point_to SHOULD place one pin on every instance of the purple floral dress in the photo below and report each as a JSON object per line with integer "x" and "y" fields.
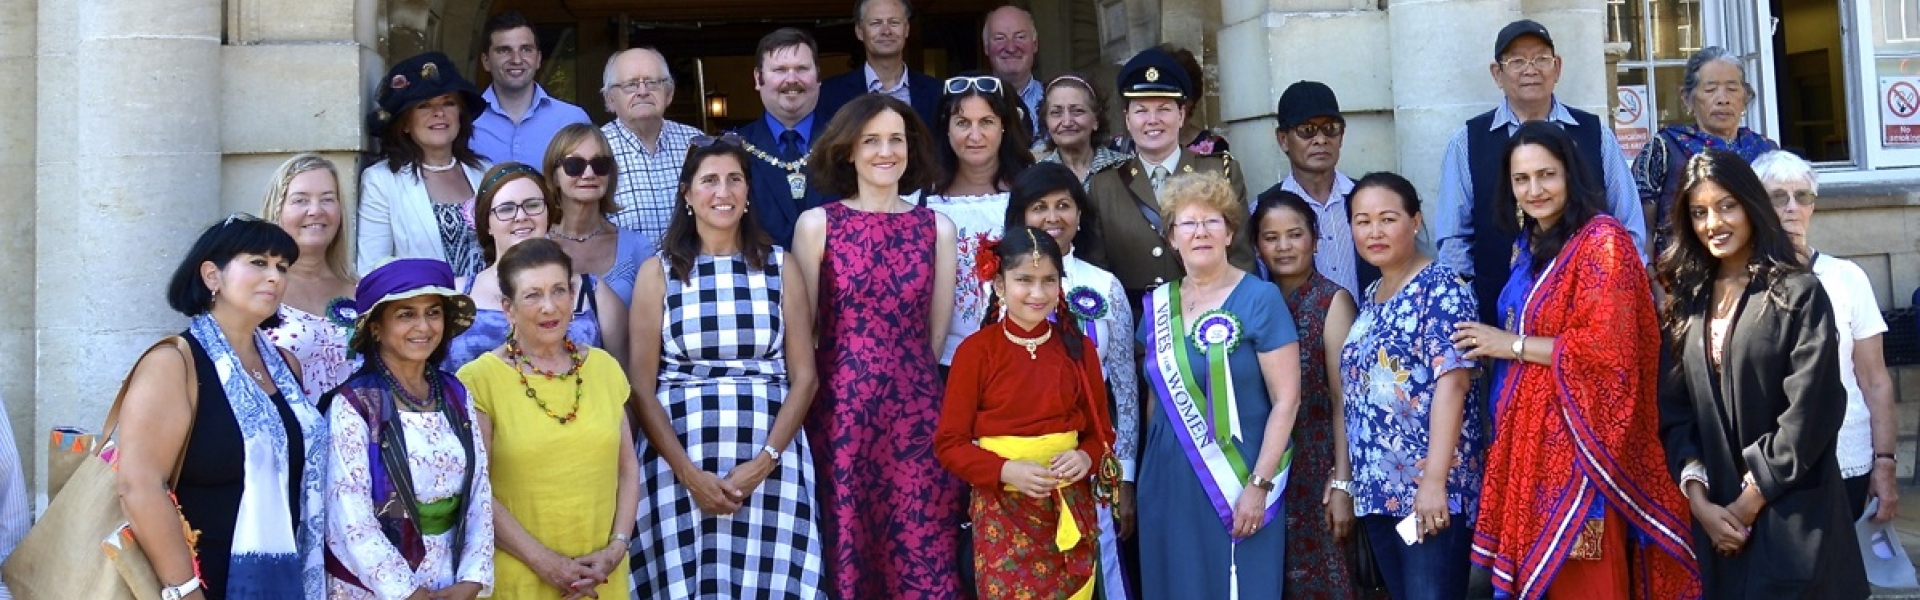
{"x": 891, "y": 515}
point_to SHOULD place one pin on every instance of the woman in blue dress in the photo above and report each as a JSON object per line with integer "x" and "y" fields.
{"x": 1224, "y": 370}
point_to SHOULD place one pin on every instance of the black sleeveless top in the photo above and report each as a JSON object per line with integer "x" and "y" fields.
{"x": 214, "y": 473}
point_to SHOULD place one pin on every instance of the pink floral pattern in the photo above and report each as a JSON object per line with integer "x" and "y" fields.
{"x": 321, "y": 347}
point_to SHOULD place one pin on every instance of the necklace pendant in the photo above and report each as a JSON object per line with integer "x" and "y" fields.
{"x": 797, "y": 184}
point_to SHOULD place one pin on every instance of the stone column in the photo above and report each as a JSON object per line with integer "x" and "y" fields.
{"x": 130, "y": 174}
{"x": 1441, "y": 49}
{"x": 1263, "y": 50}
{"x": 17, "y": 134}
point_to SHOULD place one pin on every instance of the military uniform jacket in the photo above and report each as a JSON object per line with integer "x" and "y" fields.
{"x": 1131, "y": 245}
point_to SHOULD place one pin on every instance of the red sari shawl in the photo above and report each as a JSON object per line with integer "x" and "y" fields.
{"x": 1584, "y": 429}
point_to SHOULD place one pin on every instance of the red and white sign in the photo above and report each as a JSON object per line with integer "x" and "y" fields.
{"x": 1633, "y": 120}
{"x": 1900, "y": 111}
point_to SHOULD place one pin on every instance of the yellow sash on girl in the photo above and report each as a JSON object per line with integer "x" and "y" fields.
{"x": 1041, "y": 450}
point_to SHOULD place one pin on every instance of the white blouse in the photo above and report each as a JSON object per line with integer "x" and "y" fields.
{"x": 353, "y": 533}
{"x": 1115, "y": 333}
{"x": 976, "y": 221}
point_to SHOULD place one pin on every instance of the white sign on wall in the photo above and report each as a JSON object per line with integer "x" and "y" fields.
{"x": 1633, "y": 120}
{"x": 1900, "y": 111}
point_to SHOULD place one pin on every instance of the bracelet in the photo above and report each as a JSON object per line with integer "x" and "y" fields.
{"x": 618, "y": 538}
{"x": 1886, "y": 455}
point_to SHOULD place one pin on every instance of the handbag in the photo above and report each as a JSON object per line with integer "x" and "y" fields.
{"x": 83, "y": 546}
{"x": 1880, "y": 548}
{"x": 1366, "y": 570}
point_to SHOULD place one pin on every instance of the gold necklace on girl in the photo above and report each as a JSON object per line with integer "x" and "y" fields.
{"x": 1031, "y": 344}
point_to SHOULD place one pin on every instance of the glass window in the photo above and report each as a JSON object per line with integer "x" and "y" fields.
{"x": 1652, "y": 70}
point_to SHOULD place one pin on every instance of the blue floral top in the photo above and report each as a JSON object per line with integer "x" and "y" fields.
{"x": 1395, "y": 354}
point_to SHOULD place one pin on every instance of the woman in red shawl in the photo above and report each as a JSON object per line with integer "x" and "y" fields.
{"x": 1576, "y": 494}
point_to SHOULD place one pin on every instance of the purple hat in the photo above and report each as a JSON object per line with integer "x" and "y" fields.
{"x": 403, "y": 278}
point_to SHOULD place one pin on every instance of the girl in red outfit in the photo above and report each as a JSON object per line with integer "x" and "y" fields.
{"x": 1025, "y": 423}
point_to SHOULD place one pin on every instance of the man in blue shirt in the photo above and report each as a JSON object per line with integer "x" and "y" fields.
{"x": 520, "y": 118}
{"x": 787, "y": 77}
{"x": 1526, "y": 69}
{"x": 1011, "y": 43}
{"x": 882, "y": 26}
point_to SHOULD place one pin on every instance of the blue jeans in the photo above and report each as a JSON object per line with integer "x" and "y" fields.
{"x": 1434, "y": 569}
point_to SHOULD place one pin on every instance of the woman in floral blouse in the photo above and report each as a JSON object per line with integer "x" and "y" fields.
{"x": 1410, "y": 395}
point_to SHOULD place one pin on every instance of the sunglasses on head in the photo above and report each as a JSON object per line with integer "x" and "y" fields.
{"x": 987, "y": 84}
{"x": 575, "y": 166}
{"x": 728, "y": 138}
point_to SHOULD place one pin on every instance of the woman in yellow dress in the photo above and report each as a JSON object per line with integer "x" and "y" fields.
{"x": 566, "y": 481}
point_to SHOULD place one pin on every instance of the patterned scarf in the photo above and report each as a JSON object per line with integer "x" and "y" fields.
{"x": 274, "y": 556}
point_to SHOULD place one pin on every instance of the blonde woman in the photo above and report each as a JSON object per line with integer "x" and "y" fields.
{"x": 317, "y": 312}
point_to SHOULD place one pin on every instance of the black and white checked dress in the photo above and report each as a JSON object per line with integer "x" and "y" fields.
{"x": 723, "y": 377}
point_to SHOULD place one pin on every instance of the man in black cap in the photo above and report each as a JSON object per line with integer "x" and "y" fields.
{"x": 1158, "y": 94}
{"x": 1526, "y": 69}
{"x": 1310, "y": 132}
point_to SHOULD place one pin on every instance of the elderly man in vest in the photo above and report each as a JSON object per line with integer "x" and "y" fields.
{"x": 1526, "y": 69}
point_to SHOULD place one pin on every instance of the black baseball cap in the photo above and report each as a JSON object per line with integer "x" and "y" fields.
{"x": 1304, "y": 101}
{"x": 1514, "y": 30}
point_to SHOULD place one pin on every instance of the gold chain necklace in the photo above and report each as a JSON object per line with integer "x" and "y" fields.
{"x": 777, "y": 163}
{"x": 1031, "y": 344}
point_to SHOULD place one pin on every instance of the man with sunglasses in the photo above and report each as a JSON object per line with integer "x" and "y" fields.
{"x": 882, "y": 27}
{"x": 1462, "y": 224}
{"x": 1158, "y": 95}
{"x": 520, "y": 118}
{"x": 1310, "y": 132}
{"x": 648, "y": 147}
{"x": 788, "y": 79}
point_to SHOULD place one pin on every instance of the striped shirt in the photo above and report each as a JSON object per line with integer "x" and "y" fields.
{"x": 15, "y": 514}
{"x": 1334, "y": 255}
{"x": 648, "y": 180}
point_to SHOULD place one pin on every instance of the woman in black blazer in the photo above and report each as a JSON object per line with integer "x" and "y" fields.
{"x": 1747, "y": 409}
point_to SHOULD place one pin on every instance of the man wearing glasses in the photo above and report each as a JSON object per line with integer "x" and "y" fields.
{"x": 1310, "y": 132}
{"x": 1133, "y": 247}
{"x": 1462, "y": 226}
{"x": 788, "y": 79}
{"x": 648, "y": 147}
{"x": 882, "y": 27}
{"x": 520, "y": 118}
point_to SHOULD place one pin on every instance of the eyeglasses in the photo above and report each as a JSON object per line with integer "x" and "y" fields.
{"x": 1214, "y": 225}
{"x": 987, "y": 84}
{"x": 504, "y": 211}
{"x": 1308, "y": 131}
{"x": 633, "y": 86}
{"x": 575, "y": 166}
{"x": 1539, "y": 63}
{"x": 728, "y": 138}
{"x": 1781, "y": 198}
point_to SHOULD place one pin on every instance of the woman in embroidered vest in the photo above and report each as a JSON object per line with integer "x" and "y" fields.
{"x": 1319, "y": 503}
{"x": 1224, "y": 369}
{"x": 1751, "y": 401}
{"x": 553, "y": 418}
{"x": 1410, "y": 398}
{"x": 581, "y": 175}
{"x": 1715, "y": 91}
{"x": 881, "y": 272}
{"x": 255, "y": 467}
{"x": 1073, "y": 128}
{"x": 418, "y": 200}
{"x": 982, "y": 146}
{"x": 1025, "y": 422}
{"x": 409, "y": 509}
{"x": 317, "y": 314}
{"x": 1870, "y": 435}
{"x": 1050, "y": 198}
{"x": 514, "y": 208}
{"x": 728, "y": 509}
{"x": 1575, "y": 496}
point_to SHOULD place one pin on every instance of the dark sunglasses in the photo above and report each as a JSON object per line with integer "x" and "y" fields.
{"x": 574, "y": 166}
{"x": 987, "y": 84}
{"x": 1308, "y": 131}
{"x": 728, "y": 138}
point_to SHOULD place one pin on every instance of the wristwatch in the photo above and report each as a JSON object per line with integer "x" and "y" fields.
{"x": 1343, "y": 485}
{"x": 771, "y": 453}
{"x": 1256, "y": 480}
{"x": 1519, "y": 346}
{"x": 180, "y": 591}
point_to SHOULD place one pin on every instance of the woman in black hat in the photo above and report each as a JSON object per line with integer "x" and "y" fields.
{"x": 409, "y": 507}
{"x": 414, "y": 202}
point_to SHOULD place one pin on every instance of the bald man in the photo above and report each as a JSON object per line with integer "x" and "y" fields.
{"x": 1011, "y": 43}
{"x": 648, "y": 148}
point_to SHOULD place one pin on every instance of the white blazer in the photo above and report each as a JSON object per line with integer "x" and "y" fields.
{"x": 396, "y": 216}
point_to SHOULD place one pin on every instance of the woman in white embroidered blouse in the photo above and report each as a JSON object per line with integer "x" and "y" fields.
{"x": 982, "y": 147}
{"x": 317, "y": 312}
{"x": 409, "y": 504}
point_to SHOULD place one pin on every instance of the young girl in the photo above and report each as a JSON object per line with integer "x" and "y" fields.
{"x": 1025, "y": 422}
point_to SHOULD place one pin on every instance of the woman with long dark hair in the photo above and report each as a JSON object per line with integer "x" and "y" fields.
{"x": 982, "y": 146}
{"x": 722, "y": 392}
{"x": 1748, "y": 410}
{"x": 415, "y": 202}
{"x": 1574, "y": 467}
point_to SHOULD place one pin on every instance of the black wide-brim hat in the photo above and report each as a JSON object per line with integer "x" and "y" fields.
{"x": 417, "y": 80}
